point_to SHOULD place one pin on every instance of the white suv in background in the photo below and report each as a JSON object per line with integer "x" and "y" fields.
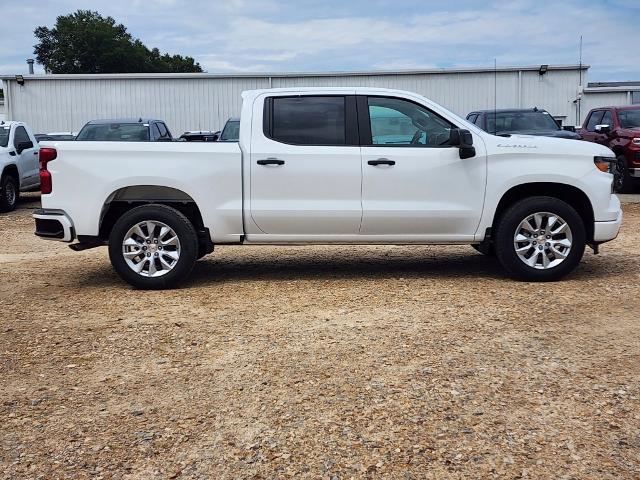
{"x": 18, "y": 163}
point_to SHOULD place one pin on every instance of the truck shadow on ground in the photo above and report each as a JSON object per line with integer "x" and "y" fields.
{"x": 337, "y": 265}
{"x": 308, "y": 267}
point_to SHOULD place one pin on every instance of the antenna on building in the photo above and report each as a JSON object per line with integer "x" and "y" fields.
{"x": 579, "y": 98}
{"x": 495, "y": 95}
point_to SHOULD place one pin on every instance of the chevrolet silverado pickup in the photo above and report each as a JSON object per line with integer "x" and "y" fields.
{"x": 18, "y": 163}
{"x": 331, "y": 166}
{"x": 619, "y": 129}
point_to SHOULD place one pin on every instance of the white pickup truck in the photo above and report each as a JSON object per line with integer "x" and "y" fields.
{"x": 332, "y": 165}
{"x": 18, "y": 163}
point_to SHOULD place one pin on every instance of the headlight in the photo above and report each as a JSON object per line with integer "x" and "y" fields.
{"x": 635, "y": 141}
{"x": 603, "y": 163}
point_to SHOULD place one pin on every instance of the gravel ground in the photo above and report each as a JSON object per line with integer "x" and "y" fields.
{"x": 318, "y": 362}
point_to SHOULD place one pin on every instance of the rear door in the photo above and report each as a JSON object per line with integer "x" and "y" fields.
{"x": 305, "y": 165}
{"x": 413, "y": 183}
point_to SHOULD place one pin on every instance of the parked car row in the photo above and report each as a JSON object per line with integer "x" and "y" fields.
{"x": 615, "y": 127}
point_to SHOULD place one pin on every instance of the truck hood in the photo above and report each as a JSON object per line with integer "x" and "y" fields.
{"x": 629, "y": 132}
{"x": 544, "y": 133}
{"x": 546, "y": 146}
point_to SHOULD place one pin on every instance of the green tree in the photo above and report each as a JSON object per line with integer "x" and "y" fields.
{"x": 87, "y": 42}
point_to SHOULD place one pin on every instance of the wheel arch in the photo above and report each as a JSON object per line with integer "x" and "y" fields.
{"x": 11, "y": 169}
{"x": 129, "y": 197}
{"x": 570, "y": 194}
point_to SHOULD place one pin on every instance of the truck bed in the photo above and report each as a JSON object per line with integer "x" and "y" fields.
{"x": 97, "y": 172}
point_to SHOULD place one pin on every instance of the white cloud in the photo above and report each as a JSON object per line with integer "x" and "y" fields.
{"x": 256, "y": 35}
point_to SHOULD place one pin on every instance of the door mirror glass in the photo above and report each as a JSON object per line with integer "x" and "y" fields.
{"x": 464, "y": 141}
{"x": 603, "y": 128}
{"x": 22, "y": 146}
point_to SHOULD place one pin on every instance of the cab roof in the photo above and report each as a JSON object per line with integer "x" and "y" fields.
{"x": 106, "y": 121}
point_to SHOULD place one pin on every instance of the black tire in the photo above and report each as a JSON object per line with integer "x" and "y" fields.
{"x": 622, "y": 181}
{"x": 9, "y": 193}
{"x": 506, "y": 229}
{"x": 171, "y": 217}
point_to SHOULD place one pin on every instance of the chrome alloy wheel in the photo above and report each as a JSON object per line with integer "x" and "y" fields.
{"x": 151, "y": 248}
{"x": 543, "y": 240}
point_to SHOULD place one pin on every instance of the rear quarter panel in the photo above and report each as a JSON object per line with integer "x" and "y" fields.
{"x": 86, "y": 174}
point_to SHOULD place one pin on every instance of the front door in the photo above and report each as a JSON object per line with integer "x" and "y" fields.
{"x": 305, "y": 166}
{"x": 414, "y": 184}
{"x": 28, "y": 158}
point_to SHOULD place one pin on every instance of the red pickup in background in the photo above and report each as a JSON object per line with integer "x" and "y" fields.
{"x": 619, "y": 129}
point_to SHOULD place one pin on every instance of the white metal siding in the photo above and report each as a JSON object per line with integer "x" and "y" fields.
{"x": 204, "y": 103}
{"x": 185, "y": 104}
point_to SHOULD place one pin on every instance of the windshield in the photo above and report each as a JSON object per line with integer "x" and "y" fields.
{"x": 231, "y": 131}
{"x": 520, "y": 121}
{"x": 629, "y": 118}
{"x": 4, "y": 136}
{"x": 114, "y": 132}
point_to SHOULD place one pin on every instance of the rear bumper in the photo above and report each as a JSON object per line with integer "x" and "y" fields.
{"x": 606, "y": 231}
{"x": 54, "y": 225}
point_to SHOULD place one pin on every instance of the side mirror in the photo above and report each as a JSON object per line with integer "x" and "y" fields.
{"x": 604, "y": 129}
{"x": 464, "y": 141}
{"x": 569, "y": 128}
{"x": 22, "y": 146}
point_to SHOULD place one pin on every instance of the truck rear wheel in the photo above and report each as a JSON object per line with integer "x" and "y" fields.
{"x": 9, "y": 193}
{"x": 153, "y": 247}
{"x": 540, "y": 239}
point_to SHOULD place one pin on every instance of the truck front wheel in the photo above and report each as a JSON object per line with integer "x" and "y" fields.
{"x": 622, "y": 181}
{"x": 9, "y": 193}
{"x": 153, "y": 247}
{"x": 540, "y": 239}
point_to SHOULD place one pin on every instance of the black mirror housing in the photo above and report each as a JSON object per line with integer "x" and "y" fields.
{"x": 464, "y": 141}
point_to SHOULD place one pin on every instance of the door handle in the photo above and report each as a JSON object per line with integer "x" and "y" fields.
{"x": 271, "y": 161}
{"x": 381, "y": 161}
{"x": 35, "y": 153}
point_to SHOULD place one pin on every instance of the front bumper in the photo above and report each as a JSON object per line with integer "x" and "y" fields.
{"x": 54, "y": 225}
{"x": 606, "y": 231}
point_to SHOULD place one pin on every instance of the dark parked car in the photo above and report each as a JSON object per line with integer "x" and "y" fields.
{"x": 200, "y": 136}
{"x": 231, "y": 131}
{"x": 520, "y": 121}
{"x": 619, "y": 129}
{"x": 56, "y": 137}
{"x": 125, "y": 130}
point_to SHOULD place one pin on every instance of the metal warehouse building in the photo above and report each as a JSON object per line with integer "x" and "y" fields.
{"x": 205, "y": 101}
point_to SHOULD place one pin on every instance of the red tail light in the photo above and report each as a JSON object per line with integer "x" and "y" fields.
{"x": 47, "y": 154}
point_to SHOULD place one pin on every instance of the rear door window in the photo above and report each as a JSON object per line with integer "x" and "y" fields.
{"x": 307, "y": 120}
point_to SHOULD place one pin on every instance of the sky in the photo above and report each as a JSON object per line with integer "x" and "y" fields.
{"x": 329, "y": 35}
